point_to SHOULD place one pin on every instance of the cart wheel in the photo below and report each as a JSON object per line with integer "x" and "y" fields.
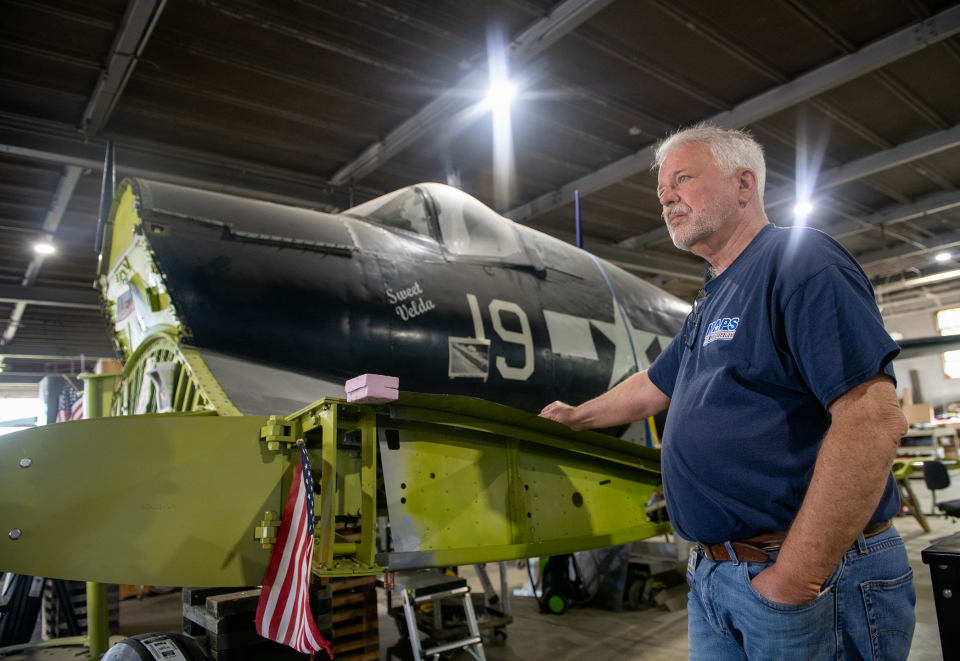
{"x": 555, "y": 603}
{"x": 635, "y": 595}
{"x": 499, "y": 637}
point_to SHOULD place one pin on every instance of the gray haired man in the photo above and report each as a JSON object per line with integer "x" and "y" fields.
{"x": 783, "y": 425}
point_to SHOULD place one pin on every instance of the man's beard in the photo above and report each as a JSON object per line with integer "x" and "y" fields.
{"x": 697, "y": 226}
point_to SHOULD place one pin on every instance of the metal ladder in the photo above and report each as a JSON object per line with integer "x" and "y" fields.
{"x": 420, "y": 587}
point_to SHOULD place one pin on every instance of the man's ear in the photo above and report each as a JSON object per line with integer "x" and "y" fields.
{"x": 746, "y": 186}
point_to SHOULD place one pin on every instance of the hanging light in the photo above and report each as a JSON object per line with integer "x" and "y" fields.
{"x": 500, "y": 95}
{"x": 802, "y": 210}
{"x": 44, "y": 248}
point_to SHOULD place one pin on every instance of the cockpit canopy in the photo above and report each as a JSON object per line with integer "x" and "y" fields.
{"x": 466, "y": 226}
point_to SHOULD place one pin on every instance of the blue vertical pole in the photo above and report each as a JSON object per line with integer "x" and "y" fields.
{"x": 576, "y": 203}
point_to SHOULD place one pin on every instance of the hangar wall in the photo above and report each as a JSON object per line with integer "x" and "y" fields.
{"x": 936, "y": 387}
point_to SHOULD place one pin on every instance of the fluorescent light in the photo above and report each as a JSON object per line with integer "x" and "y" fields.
{"x": 916, "y": 282}
{"x": 942, "y": 257}
{"x": 500, "y": 95}
{"x": 803, "y": 209}
{"x": 43, "y": 248}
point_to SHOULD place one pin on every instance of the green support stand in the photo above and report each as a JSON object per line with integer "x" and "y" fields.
{"x": 98, "y": 620}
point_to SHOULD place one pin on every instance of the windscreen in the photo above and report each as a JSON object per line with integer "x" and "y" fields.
{"x": 402, "y": 209}
{"x": 468, "y": 227}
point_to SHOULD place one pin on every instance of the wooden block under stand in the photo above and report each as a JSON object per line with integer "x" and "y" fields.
{"x": 222, "y": 620}
{"x": 356, "y": 634}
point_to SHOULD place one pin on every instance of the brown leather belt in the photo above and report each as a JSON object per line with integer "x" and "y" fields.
{"x": 759, "y": 548}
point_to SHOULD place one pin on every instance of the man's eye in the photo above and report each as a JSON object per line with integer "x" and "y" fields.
{"x": 683, "y": 178}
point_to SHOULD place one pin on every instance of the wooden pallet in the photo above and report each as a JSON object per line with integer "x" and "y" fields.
{"x": 222, "y": 620}
{"x": 355, "y": 626}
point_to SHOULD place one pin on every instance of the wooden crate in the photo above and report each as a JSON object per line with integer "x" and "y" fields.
{"x": 222, "y": 620}
{"x": 355, "y": 626}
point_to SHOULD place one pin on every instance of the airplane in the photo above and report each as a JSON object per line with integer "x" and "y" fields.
{"x": 425, "y": 283}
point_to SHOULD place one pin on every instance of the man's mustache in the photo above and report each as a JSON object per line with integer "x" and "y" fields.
{"x": 676, "y": 208}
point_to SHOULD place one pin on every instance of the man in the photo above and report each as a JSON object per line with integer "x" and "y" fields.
{"x": 783, "y": 425}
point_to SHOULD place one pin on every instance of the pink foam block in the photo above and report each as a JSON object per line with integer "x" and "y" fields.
{"x": 372, "y": 389}
{"x": 372, "y": 380}
{"x": 371, "y": 395}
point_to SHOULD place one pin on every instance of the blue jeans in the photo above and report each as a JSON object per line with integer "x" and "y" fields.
{"x": 865, "y": 611}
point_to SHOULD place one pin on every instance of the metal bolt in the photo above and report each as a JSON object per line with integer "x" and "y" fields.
{"x": 14, "y": 534}
{"x": 947, "y": 593}
{"x": 25, "y": 463}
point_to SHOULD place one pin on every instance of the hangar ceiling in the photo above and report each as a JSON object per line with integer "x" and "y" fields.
{"x": 327, "y": 103}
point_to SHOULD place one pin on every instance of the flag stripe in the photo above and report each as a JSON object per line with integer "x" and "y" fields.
{"x": 283, "y": 612}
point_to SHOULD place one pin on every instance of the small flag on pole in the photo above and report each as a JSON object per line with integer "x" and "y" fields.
{"x": 283, "y": 612}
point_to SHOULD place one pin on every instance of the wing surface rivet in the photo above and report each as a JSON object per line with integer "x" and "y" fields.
{"x": 14, "y": 534}
{"x": 25, "y": 463}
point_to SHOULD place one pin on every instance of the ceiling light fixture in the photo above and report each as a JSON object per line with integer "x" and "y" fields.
{"x": 942, "y": 257}
{"x": 44, "y": 248}
{"x": 501, "y": 95}
{"x": 802, "y": 210}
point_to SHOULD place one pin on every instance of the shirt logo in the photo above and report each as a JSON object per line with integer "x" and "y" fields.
{"x": 721, "y": 329}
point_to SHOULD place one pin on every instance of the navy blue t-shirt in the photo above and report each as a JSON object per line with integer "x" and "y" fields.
{"x": 787, "y": 328}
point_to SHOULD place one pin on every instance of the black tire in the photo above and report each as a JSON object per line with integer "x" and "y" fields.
{"x": 138, "y": 648}
{"x": 635, "y": 594}
{"x": 499, "y": 637}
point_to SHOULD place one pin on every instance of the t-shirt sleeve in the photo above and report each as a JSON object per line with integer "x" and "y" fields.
{"x": 835, "y": 332}
{"x": 663, "y": 372}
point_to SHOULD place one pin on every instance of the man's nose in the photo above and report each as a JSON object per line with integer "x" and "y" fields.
{"x": 668, "y": 196}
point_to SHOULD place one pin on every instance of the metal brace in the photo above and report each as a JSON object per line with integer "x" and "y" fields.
{"x": 277, "y": 431}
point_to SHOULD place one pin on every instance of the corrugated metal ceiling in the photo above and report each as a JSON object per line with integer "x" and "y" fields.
{"x": 276, "y": 99}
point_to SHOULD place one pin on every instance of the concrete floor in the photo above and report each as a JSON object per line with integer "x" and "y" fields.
{"x": 658, "y": 635}
{"x": 652, "y": 635}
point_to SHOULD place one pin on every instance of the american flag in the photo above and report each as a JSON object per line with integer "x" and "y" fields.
{"x": 283, "y": 612}
{"x": 70, "y": 406}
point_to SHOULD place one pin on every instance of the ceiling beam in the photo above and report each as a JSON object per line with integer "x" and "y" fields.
{"x": 898, "y": 214}
{"x": 842, "y": 70}
{"x": 657, "y": 235}
{"x": 48, "y": 352}
{"x": 531, "y": 42}
{"x": 646, "y": 262}
{"x": 128, "y": 44}
{"x": 872, "y": 164}
{"x": 50, "y": 296}
{"x": 940, "y": 242}
{"x": 25, "y": 380}
{"x": 61, "y": 198}
{"x": 245, "y": 183}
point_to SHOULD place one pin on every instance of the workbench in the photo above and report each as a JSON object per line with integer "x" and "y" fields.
{"x": 938, "y": 442}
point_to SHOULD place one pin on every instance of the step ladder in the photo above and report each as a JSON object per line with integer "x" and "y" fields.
{"x": 420, "y": 587}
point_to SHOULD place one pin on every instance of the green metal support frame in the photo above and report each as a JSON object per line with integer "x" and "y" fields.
{"x": 191, "y": 498}
{"x": 531, "y": 487}
{"x": 98, "y": 612}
